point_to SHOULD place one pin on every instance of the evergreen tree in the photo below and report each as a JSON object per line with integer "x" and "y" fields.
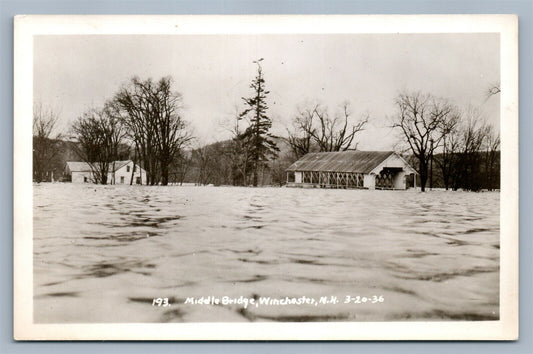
{"x": 260, "y": 144}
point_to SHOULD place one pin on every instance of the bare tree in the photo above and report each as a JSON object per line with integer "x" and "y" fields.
{"x": 473, "y": 134}
{"x": 336, "y": 134}
{"x": 98, "y": 134}
{"x": 278, "y": 169}
{"x": 492, "y": 147}
{"x": 151, "y": 111}
{"x": 300, "y": 139}
{"x": 420, "y": 119}
{"x": 222, "y": 163}
{"x": 45, "y": 142}
{"x": 132, "y": 105}
{"x": 314, "y": 126}
{"x": 202, "y": 157}
{"x": 446, "y": 161}
{"x": 182, "y": 164}
{"x": 172, "y": 131}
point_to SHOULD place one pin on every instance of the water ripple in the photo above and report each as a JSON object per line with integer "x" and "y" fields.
{"x": 432, "y": 256}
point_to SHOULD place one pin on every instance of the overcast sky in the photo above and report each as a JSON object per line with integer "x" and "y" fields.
{"x": 75, "y": 73}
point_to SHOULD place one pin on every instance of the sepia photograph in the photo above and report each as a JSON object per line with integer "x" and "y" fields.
{"x": 266, "y": 172}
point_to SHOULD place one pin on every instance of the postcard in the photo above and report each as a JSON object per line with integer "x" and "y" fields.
{"x": 333, "y": 177}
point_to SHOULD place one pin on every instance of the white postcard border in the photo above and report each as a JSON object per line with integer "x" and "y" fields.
{"x": 28, "y": 26}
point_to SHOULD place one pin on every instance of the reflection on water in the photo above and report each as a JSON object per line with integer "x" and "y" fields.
{"x": 103, "y": 253}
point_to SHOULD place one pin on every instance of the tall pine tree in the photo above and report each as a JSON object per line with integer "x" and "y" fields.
{"x": 260, "y": 144}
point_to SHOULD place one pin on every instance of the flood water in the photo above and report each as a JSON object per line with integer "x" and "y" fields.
{"x": 104, "y": 253}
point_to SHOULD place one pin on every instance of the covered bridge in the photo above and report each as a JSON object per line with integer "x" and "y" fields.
{"x": 351, "y": 169}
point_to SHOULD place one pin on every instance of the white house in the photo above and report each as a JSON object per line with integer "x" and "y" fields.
{"x": 120, "y": 172}
{"x": 350, "y": 169}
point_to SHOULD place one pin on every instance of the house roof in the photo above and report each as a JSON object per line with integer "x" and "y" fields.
{"x": 76, "y": 166}
{"x": 341, "y": 161}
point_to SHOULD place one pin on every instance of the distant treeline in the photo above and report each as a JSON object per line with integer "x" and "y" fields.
{"x": 450, "y": 147}
{"x": 214, "y": 164}
{"x": 51, "y": 155}
{"x": 466, "y": 144}
{"x": 221, "y": 163}
{"x": 478, "y": 171}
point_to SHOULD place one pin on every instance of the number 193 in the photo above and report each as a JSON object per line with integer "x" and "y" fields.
{"x": 160, "y": 301}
